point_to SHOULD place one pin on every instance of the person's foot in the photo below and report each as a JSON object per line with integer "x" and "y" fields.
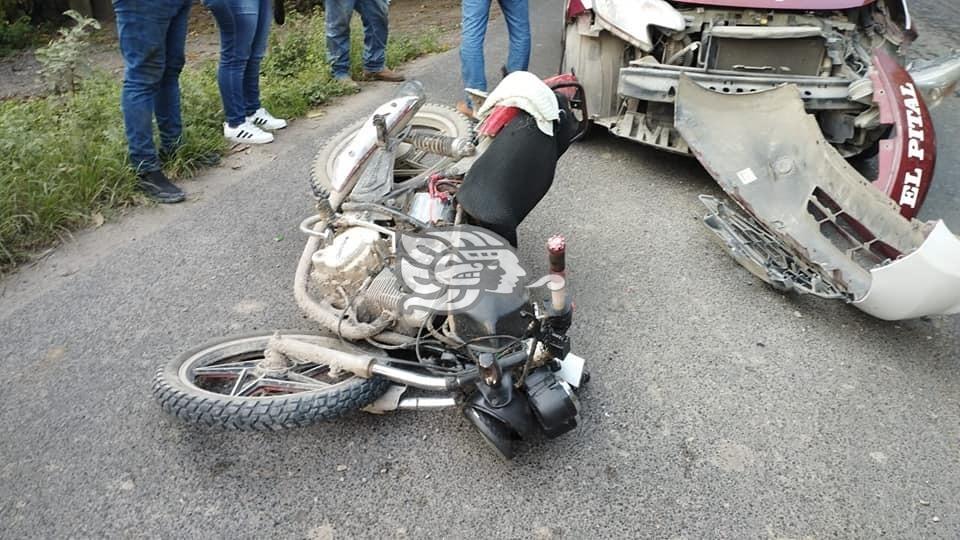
{"x": 246, "y": 133}
{"x": 155, "y": 185}
{"x": 464, "y": 109}
{"x": 385, "y": 74}
{"x": 264, "y": 120}
{"x": 347, "y": 82}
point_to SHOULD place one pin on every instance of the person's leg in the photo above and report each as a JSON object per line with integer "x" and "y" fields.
{"x": 167, "y": 104}
{"x": 258, "y": 47}
{"x": 517, "y": 15}
{"x": 142, "y": 35}
{"x": 337, "y": 14}
{"x": 374, "y": 15}
{"x": 475, "y": 14}
{"x": 237, "y": 20}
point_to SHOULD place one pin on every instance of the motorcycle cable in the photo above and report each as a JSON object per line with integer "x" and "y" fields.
{"x": 349, "y": 306}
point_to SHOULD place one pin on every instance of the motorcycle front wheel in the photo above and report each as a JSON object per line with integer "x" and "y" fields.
{"x": 221, "y": 384}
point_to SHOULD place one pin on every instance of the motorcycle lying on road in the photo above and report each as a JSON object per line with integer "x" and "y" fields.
{"x": 410, "y": 272}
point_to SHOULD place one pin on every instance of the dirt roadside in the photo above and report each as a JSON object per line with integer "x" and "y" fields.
{"x": 19, "y": 75}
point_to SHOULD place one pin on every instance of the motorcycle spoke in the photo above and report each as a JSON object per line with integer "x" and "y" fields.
{"x": 292, "y": 386}
{"x": 419, "y": 155}
{"x": 236, "y": 385}
{"x": 247, "y": 375}
{"x": 221, "y": 369}
{"x": 310, "y": 371}
{"x": 251, "y": 387}
{"x": 304, "y": 379}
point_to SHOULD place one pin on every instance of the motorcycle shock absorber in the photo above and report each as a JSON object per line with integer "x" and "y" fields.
{"x": 443, "y": 145}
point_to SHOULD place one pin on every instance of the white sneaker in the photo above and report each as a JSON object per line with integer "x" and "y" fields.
{"x": 264, "y": 120}
{"x": 246, "y": 133}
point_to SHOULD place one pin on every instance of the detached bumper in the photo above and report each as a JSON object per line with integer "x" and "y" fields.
{"x": 815, "y": 225}
{"x": 924, "y": 282}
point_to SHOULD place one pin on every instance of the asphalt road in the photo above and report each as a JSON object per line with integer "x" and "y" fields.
{"x": 718, "y": 408}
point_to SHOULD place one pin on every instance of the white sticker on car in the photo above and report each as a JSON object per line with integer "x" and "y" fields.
{"x": 747, "y": 176}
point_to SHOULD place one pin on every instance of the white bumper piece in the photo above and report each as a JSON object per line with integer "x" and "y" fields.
{"x": 925, "y": 282}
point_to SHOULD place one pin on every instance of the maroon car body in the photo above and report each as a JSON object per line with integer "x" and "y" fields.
{"x": 908, "y": 156}
{"x": 804, "y": 5}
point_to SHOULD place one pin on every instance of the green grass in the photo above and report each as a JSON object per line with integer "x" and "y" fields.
{"x": 15, "y": 35}
{"x": 63, "y": 161}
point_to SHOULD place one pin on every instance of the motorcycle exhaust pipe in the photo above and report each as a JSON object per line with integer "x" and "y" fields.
{"x": 426, "y": 403}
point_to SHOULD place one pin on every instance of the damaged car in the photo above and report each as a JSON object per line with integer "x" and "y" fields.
{"x": 777, "y": 99}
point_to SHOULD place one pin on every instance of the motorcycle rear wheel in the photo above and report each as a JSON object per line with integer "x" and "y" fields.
{"x": 216, "y": 385}
{"x": 431, "y": 118}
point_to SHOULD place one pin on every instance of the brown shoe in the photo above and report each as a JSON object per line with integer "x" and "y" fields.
{"x": 464, "y": 109}
{"x": 385, "y": 74}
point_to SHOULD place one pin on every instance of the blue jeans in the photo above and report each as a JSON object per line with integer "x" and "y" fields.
{"x": 244, "y": 29}
{"x": 373, "y": 14}
{"x": 153, "y": 36}
{"x": 475, "y": 15}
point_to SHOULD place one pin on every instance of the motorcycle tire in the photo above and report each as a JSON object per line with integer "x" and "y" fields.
{"x": 441, "y": 119}
{"x": 179, "y": 393}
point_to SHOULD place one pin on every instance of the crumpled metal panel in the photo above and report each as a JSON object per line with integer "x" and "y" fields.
{"x": 631, "y": 20}
{"x": 769, "y": 155}
{"x": 762, "y": 254}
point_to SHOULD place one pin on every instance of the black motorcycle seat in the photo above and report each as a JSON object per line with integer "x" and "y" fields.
{"x": 511, "y": 177}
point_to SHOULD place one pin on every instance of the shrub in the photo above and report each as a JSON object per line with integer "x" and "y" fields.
{"x": 15, "y": 35}
{"x": 66, "y": 60}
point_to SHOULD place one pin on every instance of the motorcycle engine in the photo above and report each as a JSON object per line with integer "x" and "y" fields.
{"x": 345, "y": 263}
{"x": 355, "y": 256}
{"x": 357, "y": 271}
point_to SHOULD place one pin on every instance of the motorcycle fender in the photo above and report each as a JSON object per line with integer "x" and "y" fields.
{"x": 770, "y": 156}
{"x": 630, "y": 20}
{"x": 924, "y": 282}
{"x": 908, "y": 157}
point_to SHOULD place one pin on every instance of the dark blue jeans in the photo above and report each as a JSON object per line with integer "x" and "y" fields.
{"x": 475, "y": 15}
{"x": 244, "y": 30}
{"x": 373, "y": 15}
{"x": 153, "y": 35}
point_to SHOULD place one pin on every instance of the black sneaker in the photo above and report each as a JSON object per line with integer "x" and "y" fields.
{"x": 154, "y": 184}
